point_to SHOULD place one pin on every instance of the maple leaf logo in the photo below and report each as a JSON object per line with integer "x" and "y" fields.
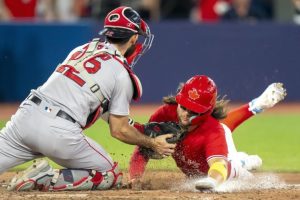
{"x": 193, "y": 94}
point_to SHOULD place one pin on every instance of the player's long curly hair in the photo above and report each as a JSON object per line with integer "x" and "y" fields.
{"x": 219, "y": 112}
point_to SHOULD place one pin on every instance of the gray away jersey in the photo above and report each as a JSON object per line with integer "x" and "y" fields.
{"x": 70, "y": 91}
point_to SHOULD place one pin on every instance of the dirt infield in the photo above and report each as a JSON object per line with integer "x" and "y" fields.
{"x": 172, "y": 185}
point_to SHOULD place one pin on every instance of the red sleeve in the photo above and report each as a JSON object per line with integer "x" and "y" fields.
{"x": 139, "y": 127}
{"x": 137, "y": 164}
{"x": 138, "y": 161}
{"x": 237, "y": 116}
{"x": 215, "y": 141}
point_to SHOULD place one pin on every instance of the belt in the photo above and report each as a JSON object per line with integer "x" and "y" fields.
{"x": 61, "y": 113}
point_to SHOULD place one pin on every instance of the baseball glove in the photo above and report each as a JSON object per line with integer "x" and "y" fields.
{"x": 155, "y": 129}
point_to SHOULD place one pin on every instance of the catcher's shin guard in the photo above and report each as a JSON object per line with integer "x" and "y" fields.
{"x": 81, "y": 179}
{"x": 27, "y": 180}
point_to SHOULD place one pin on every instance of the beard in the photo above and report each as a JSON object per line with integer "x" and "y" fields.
{"x": 182, "y": 124}
{"x": 129, "y": 51}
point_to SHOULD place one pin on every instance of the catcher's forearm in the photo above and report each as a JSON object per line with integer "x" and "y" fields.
{"x": 131, "y": 135}
{"x": 120, "y": 129}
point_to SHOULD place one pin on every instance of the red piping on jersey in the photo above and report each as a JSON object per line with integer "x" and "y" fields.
{"x": 99, "y": 153}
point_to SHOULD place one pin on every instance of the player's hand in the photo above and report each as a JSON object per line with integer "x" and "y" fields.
{"x": 207, "y": 183}
{"x": 162, "y": 147}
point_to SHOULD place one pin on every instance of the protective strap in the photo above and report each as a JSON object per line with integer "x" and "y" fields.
{"x": 94, "y": 87}
{"x": 54, "y": 179}
{"x": 138, "y": 90}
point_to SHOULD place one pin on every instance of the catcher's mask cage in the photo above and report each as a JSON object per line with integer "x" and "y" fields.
{"x": 123, "y": 22}
{"x": 199, "y": 95}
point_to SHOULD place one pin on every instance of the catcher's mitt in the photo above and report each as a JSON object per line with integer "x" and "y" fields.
{"x": 154, "y": 129}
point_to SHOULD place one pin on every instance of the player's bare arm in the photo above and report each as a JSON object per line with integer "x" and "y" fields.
{"x": 121, "y": 130}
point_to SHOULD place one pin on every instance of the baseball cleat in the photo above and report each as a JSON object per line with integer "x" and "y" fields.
{"x": 274, "y": 93}
{"x": 252, "y": 162}
{"x": 249, "y": 162}
{"x": 207, "y": 183}
{"x": 26, "y": 180}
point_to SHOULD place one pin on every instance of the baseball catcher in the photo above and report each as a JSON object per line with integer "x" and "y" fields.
{"x": 96, "y": 80}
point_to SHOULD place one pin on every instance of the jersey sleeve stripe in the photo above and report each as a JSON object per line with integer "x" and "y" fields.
{"x": 216, "y": 156}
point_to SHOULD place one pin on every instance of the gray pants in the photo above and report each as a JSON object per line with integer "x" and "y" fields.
{"x": 36, "y": 132}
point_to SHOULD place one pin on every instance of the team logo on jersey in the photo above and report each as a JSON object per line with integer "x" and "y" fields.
{"x": 193, "y": 94}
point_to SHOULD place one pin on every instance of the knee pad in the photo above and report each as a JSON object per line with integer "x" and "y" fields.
{"x": 109, "y": 179}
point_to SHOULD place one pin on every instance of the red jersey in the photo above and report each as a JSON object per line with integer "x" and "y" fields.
{"x": 197, "y": 147}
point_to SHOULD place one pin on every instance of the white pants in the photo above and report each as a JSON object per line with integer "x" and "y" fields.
{"x": 35, "y": 132}
{"x": 235, "y": 158}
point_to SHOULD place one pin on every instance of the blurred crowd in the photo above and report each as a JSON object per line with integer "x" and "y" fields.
{"x": 154, "y": 10}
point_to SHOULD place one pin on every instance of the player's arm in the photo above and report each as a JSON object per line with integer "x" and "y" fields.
{"x": 137, "y": 166}
{"x": 216, "y": 152}
{"x": 218, "y": 169}
{"x": 121, "y": 130}
{"x": 138, "y": 160}
{"x": 217, "y": 174}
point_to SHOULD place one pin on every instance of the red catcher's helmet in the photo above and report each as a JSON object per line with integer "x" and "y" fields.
{"x": 123, "y": 22}
{"x": 198, "y": 94}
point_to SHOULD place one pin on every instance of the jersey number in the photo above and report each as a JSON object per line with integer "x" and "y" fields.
{"x": 92, "y": 66}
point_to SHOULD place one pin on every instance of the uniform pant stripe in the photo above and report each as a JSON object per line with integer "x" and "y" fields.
{"x": 99, "y": 153}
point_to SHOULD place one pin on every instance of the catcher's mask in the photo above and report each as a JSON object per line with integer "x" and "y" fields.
{"x": 123, "y": 22}
{"x": 199, "y": 95}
